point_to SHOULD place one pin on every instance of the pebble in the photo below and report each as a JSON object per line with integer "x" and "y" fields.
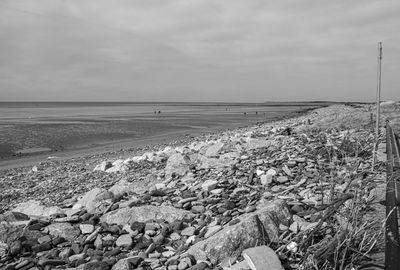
{"x": 188, "y": 231}
{"x": 86, "y": 228}
{"x": 124, "y": 240}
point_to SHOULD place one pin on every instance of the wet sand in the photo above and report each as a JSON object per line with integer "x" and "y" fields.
{"x": 25, "y": 141}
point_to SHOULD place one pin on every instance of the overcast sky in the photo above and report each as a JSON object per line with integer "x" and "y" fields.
{"x": 197, "y": 50}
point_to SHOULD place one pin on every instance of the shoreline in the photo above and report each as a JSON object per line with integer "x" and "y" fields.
{"x": 129, "y": 145}
{"x": 297, "y": 167}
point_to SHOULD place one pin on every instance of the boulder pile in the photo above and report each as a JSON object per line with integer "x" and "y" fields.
{"x": 225, "y": 202}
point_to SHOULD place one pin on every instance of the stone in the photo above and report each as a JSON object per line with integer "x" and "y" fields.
{"x": 251, "y": 230}
{"x": 214, "y": 150}
{"x": 3, "y": 250}
{"x": 15, "y": 247}
{"x": 122, "y": 264}
{"x": 175, "y": 236}
{"x": 212, "y": 230}
{"x": 94, "y": 201}
{"x": 64, "y": 230}
{"x": 177, "y": 164}
{"x": 124, "y": 240}
{"x": 122, "y": 187}
{"x": 238, "y": 266}
{"x": 86, "y": 228}
{"x": 271, "y": 172}
{"x": 143, "y": 213}
{"x": 189, "y": 231}
{"x": 209, "y": 185}
{"x": 117, "y": 166}
{"x": 224, "y": 161}
{"x": 253, "y": 143}
{"x": 95, "y": 266}
{"x": 266, "y": 179}
{"x": 282, "y": 179}
{"x": 262, "y": 258}
{"x": 34, "y": 208}
{"x": 103, "y": 166}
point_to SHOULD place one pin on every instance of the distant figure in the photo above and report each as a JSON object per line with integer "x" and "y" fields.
{"x": 256, "y": 112}
{"x": 226, "y": 108}
{"x": 155, "y": 112}
{"x": 159, "y": 112}
{"x": 244, "y": 113}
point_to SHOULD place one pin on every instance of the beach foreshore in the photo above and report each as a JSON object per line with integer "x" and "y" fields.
{"x": 296, "y": 170}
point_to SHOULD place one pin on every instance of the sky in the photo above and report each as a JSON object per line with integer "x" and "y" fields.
{"x": 198, "y": 50}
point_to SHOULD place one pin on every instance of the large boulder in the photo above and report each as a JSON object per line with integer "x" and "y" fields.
{"x": 253, "y": 229}
{"x": 95, "y": 200}
{"x": 143, "y": 213}
{"x": 178, "y": 165}
{"x": 214, "y": 150}
{"x": 34, "y": 208}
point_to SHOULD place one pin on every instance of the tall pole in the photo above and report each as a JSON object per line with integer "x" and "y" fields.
{"x": 378, "y": 102}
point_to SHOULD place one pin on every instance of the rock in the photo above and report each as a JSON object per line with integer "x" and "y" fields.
{"x": 103, "y": 166}
{"x": 117, "y": 166}
{"x": 212, "y": 230}
{"x": 64, "y": 230}
{"x": 95, "y": 266}
{"x": 15, "y": 247}
{"x": 177, "y": 165}
{"x": 175, "y": 236}
{"x": 224, "y": 161}
{"x": 238, "y": 266}
{"x": 214, "y": 150}
{"x": 262, "y": 258}
{"x": 265, "y": 179}
{"x": 124, "y": 240}
{"x": 200, "y": 266}
{"x": 143, "y": 213}
{"x": 282, "y": 179}
{"x": 209, "y": 185}
{"x": 14, "y": 218}
{"x": 122, "y": 264}
{"x": 34, "y": 208}
{"x": 271, "y": 172}
{"x": 86, "y": 228}
{"x": 253, "y": 143}
{"x": 94, "y": 201}
{"x": 122, "y": 187}
{"x": 189, "y": 231}
{"x": 3, "y": 250}
{"x": 251, "y": 230}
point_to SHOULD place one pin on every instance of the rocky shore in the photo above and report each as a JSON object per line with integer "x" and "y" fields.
{"x": 293, "y": 194}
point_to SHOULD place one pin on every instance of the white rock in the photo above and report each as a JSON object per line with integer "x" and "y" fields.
{"x": 271, "y": 172}
{"x": 259, "y": 172}
{"x": 209, "y": 185}
{"x": 266, "y": 179}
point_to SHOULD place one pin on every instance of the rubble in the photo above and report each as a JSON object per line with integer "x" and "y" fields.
{"x": 283, "y": 190}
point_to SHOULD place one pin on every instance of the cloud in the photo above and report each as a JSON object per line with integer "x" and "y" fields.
{"x": 199, "y": 49}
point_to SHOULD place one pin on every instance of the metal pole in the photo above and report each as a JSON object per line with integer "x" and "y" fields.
{"x": 378, "y": 102}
